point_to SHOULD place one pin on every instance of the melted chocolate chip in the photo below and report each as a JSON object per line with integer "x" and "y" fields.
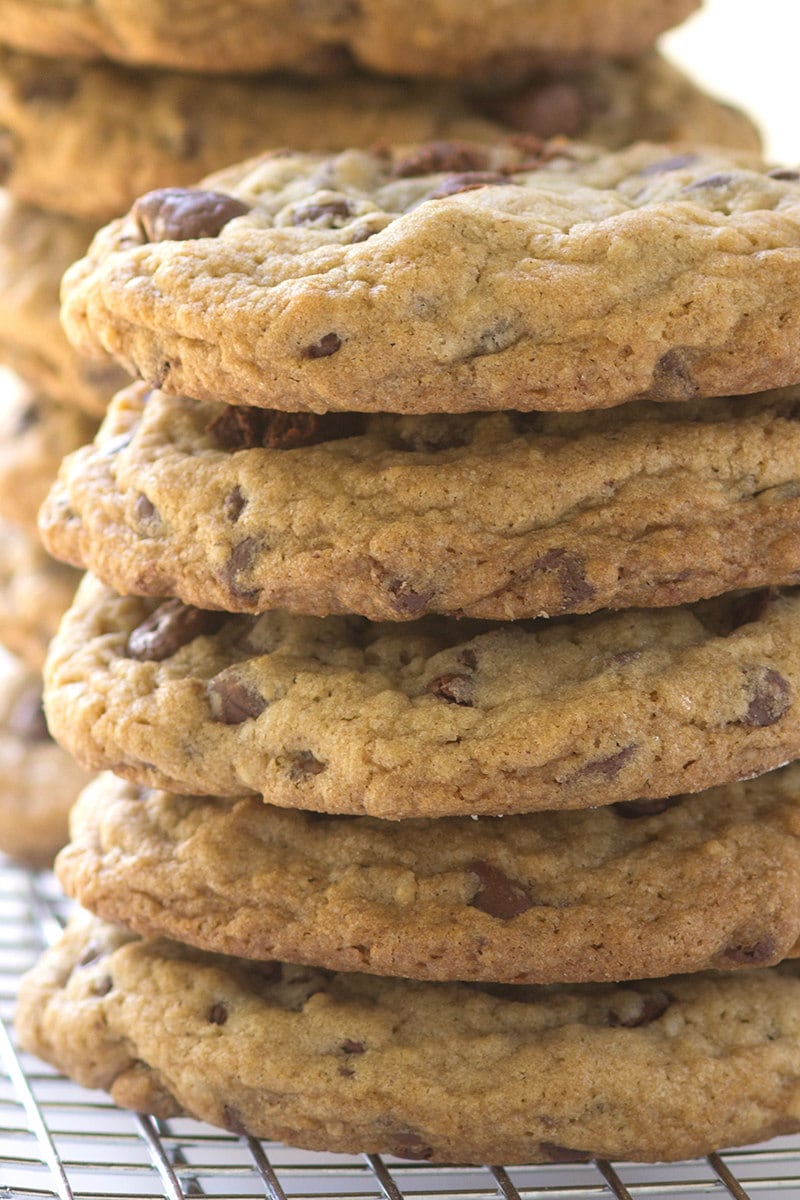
{"x": 218, "y": 1014}
{"x": 632, "y": 809}
{"x": 171, "y": 626}
{"x": 179, "y": 214}
{"x": 351, "y": 1047}
{"x": 456, "y": 689}
{"x": 405, "y": 600}
{"x": 324, "y": 348}
{"x": 231, "y": 700}
{"x": 497, "y": 895}
{"x": 467, "y": 181}
{"x": 407, "y": 1143}
{"x": 752, "y": 953}
{"x": 234, "y": 504}
{"x": 330, "y": 214}
{"x": 571, "y": 571}
{"x": 672, "y": 379}
{"x": 431, "y": 158}
{"x": 26, "y": 719}
{"x": 469, "y": 658}
{"x": 250, "y": 428}
{"x": 770, "y": 697}
{"x": 543, "y": 108}
{"x": 101, "y": 987}
{"x": 649, "y": 1009}
{"x": 303, "y": 765}
{"x": 785, "y": 174}
{"x": 610, "y": 766}
{"x": 241, "y": 559}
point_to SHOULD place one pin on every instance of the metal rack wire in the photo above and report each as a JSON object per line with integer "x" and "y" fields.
{"x": 59, "y": 1141}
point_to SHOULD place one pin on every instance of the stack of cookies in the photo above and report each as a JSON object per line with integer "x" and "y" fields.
{"x": 101, "y": 102}
{"x": 453, "y": 667}
{"x": 441, "y": 638}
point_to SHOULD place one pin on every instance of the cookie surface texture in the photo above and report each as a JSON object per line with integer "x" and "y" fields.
{"x": 423, "y": 37}
{"x": 454, "y": 277}
{"x": 497, "y": 516}
{"x": 434, "y": 718}
{"x": 622, "y": 892}
{"x": 35, "y": 592}
{"x": 87, "y": 139}
{"x": 357, "y": 1063}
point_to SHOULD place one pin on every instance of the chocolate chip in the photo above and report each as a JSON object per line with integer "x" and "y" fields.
{"x": 26, "y": 719}
{"x": 407, "y": 1143}
{"x": 469, "y": 658}
{"x": 543, "y": 108}
{"x": 351, "y": 1047}
{"x": 324, "y": 348}
{"x": 571, "y": 571}
{"x": 250, "y": 428}
{"x": 179, "y": 214}
{"x": 770, "y": 697}
{"x": 456, "y": 689}
{"x": 467, "y": 181}
{"x": 330, "y": 214}
{"x": 497, "y": 895}
{"x": 145, "y": 513}
{"x": 303, "y": 765}
{"x": 755, "y": 953}
{"x": 101, "y": 987}
{"x": 232, "y": 1120}
{"x": 233, "y": 504}
{"x": 218, "y": 1014}
{"x": 785, "y": 174}
{"x": 672, "y": 379}
{"x": 632, "y": 809}
{"x": 405, "y": 600}
{"x": 676, "y": 163}
{"x": 231, "y": 700}
{"x": 171, "y": 626}
{"x": 711, "y": 182}
{"x": 649, "y": 1009}
{"x": 241, "y": 559}
{"x": 552, "y": 1152}
{"x": 346, "y": 1071}
{"x": 431, "y": 158}
{"x": 611, "y": 765}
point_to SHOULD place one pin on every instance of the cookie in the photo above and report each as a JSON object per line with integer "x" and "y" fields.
{"x": 35, "y": 592}
{"x": 454, "y": 277}
{"x": 435, "y": 718}
{"x": 443, "y": 38}
{"x": 38, "y": 781}
{"x": 35, "y": 434}
{"x": 629, "y": 891}
{"x": 35, "y": 249}
{"x": 497, "y": 515}
{"x": 667, "y": 1069}
{"x": 87, "y": 139}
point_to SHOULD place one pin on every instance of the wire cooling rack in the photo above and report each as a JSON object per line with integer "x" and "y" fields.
{"x": 57, "y": 1140}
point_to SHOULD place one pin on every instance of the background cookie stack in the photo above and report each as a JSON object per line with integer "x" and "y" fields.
{"x": 82, "y": 136}
{"x": 372, "y": 466}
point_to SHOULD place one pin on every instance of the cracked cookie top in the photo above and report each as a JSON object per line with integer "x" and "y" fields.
{"x": 453, "y": 277}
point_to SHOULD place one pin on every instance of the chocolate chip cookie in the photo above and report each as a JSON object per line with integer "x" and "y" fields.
{"x": 627, "y": 891}
{"x": 35, "y": 249}
{"x": 87, "y": 139}
{"x": 404, "y": 37}
{"x": 665, "y": 1069}
{"x": 500, "y": 515}
{"x": 434, "y": 718}
{"x": 35, "y": 592}
{"x": 38, "y": 781}
{"x": 35, "y": 434}
{"x": 454, "y": 277}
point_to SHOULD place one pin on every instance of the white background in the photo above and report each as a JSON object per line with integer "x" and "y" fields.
{"x": 748, "y": 51}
